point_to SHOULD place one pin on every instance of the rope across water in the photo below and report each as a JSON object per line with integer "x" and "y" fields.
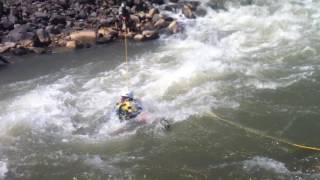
{"x": 126, "y": 57}
{"x": 261, "y": 134}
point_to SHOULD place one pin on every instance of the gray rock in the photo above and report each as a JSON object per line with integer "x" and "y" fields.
{"x": 64, "y": 3}
{"x": 57, "y": 19}
{"x": 148, "y": 26}
{"x": 41, "y": 15}
{"x": 23, "y": 32}
{"x": 150, "y": 35}
{"x": 156, "y": 18}
{"x": 193, "y": 5}
{"x": 171, "y": 7}
{"x": 104, "y": 39}
{"x": 201, "y": 12}
{"x": 159, "y": 2}
{"x": 13, "y": 19}
{"x": 6, "y": 24}
{"x": 20, "y": 51}
{"x": 43, "y": 37}
{"x": 82, "y": 15}
{"x": 106, "y": 22}
{"x": 38, "y": 50}
{"x": 135, "y": 18}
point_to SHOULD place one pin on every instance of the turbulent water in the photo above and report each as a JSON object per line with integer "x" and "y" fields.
{"x": 255, "y": 63}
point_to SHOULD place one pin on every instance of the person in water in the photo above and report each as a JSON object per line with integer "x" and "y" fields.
{"x": 128, "y": 107}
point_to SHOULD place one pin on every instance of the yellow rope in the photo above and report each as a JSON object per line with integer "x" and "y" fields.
{"x": 259, "y": 133}
{"x": 126, "y": 56}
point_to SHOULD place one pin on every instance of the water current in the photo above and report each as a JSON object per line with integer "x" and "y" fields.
{"x": 256, "y": 63}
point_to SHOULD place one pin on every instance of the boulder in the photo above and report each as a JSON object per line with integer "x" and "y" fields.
{"x": 159, "y": 2}
{"x": 152, "y": 12}
{"x": 6, "y": 24}
{"x": 41, "y": 15}
{"x": 64, "y": 3}
{"x": 53, "y": 29}
{"x": 38, "y": 50}
{"x": 20, "y": 51}
{"x": 57, "y": 19}
{"x": 173, "y": 27}
{"x": 105, "y": 35}
{"x": 142, "y": 15}
{"x": 193, "y": 5}
{"x": 107, "y": 32}
{"x": 156, "y": 18}
{"x": 69, "y": 24}
{"x": 1, "y": 8}
{"x": 201, "y": 12}
{"x": 106, "y": 22}
{"x": 161, "y": 23}
{"x": 13, "y": 19}
{"x": 81, "y": 15}
{"x": 43, "y": 37}
{"x": 171, "y": 7}
{"x": 148, "y": 26}
{"x": 138, "y": 37}
{"x": 5, "y": 47}
{"x": 150, "y": 35}
{"x": 135, "y": 18}
{"x": 72, "y": 44}
{"x": 22, "y": 34}
{"x": 220, "y": 4}
{"x": 130, "y": 35}
{"x": 85, "y": 36}
{"x": 187, "y": 12}
{"x": 104, "y": 39}
{"x": 27, "y": 43}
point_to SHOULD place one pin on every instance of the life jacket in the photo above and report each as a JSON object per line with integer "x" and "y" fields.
{"x": 126, "y": 106}
{"x": 128, "y": 109}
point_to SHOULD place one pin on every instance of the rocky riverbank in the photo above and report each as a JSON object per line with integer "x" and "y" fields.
{"x": 38, "y": 26}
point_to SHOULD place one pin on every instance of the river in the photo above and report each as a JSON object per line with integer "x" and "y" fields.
{"x": 254, "y": 64}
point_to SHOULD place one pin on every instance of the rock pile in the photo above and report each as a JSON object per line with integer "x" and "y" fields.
{"x": 40, "y": 25}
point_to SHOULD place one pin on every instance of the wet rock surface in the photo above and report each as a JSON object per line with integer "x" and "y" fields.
{"x": 35, "y": 26}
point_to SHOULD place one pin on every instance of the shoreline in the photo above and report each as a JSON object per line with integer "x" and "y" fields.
{"x": 41, "y": 27}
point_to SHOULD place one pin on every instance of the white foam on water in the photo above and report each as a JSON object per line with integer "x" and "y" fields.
{"x": 3, "y": 169}
{"x": 185, "y": 77}
{"x": 264, "y": 163}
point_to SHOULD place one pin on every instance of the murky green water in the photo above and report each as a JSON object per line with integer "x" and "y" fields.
{"x": 256, "y": 65}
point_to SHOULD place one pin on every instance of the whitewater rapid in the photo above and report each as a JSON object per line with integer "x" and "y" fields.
{"x": 217, "y": 62}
